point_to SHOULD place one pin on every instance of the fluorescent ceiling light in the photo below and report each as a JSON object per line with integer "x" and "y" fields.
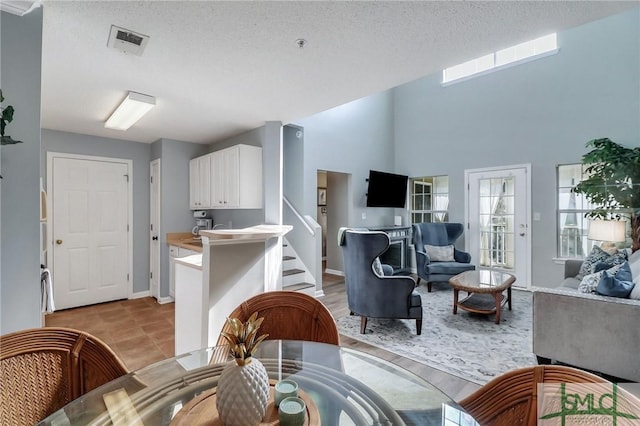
{"x": 132, "y": 108}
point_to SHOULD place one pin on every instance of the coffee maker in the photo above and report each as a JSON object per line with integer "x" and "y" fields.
{"x": 202, "y": 223}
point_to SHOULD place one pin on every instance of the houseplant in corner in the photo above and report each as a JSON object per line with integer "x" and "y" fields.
{"x": 6, "y": 118}
{"x": 613, "y": 183}
{"x": 243, "y": 388}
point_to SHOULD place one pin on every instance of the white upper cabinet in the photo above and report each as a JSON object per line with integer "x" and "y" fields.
{"x": 200, "y": 183}
{"x": 234, "y": 179}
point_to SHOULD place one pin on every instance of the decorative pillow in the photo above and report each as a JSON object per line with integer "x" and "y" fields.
{"x": 618, "y": 284}
{"x": 377, "y": 267}
{"x": 634, "y": 265}
{"x": 598, "y": 255}
{"x": 590, "y": 282}
{"x": 439, "y": 253}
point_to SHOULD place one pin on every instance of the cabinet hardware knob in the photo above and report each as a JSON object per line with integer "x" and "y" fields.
{"x": 58, "y": 242}
{"x": 155, "y": 238}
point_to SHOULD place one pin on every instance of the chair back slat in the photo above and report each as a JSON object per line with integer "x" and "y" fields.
{"x": 43, "y": 369}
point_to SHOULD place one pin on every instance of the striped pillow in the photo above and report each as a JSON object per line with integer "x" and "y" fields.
{"x": 439, "y": 253}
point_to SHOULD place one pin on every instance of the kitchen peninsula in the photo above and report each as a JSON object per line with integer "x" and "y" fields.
{"x": 235, "y": 264}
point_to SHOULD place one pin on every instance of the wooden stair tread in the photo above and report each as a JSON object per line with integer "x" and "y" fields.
{"x": 287, "y": 258}
{"x": 288, "y": 272}
{"x": 298, "y": 286}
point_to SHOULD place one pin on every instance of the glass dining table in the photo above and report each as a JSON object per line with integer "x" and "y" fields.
{"x": 348, "y": 387}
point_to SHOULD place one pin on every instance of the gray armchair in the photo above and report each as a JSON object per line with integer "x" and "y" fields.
{"x": 371, "y": 295}
{"x": 439, "y": 234}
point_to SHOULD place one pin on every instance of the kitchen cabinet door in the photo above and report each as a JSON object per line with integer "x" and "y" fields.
{"x": 204, "y": 176}
{"x": 200, "y": 183}
{"x": 194, "y": 184}
{"x": 231, "y": 177}
{"x": 218, "y": 172}
{"x": 237, "y": 178}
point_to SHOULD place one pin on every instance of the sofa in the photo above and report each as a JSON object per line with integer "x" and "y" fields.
{"x": 586, "y": 330}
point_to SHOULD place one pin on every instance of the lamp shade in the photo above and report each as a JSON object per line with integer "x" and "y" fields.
{"x": 607, "y": 230}
{"x": 132, "y": 108}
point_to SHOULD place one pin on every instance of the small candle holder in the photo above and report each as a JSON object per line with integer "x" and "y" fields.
{"x": 292, "y": 411}
{"x": 285, "y": 389}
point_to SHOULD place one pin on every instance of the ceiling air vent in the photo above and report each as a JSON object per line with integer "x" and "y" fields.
{"x": 127, "y": 41}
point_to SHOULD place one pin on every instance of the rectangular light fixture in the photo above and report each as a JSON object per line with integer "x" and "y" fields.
{"x": 132, "y": 108}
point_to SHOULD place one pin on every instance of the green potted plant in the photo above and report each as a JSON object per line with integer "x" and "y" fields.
{"x": 613, "y": 183}
{"x": 6, "y": 118}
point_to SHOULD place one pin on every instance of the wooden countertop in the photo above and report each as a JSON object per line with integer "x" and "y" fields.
{"x": 184, "y": 240}
{"x": 245, "y": 235}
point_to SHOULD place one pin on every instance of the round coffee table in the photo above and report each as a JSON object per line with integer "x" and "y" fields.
{"x": 485, "y": 290}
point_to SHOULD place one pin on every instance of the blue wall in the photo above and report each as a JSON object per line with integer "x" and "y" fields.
{"x": 541, "y": 112}
{"x": 352, "y": 139}
{"x": 21, "y": 46}
{"x": 175, "y": 215}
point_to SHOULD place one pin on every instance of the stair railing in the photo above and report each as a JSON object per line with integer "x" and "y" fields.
{"x": 306, "y": 239}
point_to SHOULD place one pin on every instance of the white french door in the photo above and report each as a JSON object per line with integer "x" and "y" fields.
{"x": 498, "y": 220}
{"x": 90, "y": 235}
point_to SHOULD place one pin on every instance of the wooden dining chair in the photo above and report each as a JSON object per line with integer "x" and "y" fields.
{"x": 288, "y": 315}
{"x": 43, "y": 369}
{"x": 512, "y": 398}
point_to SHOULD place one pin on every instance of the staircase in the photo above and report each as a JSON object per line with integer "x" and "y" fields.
{"x": 295, "y": 276}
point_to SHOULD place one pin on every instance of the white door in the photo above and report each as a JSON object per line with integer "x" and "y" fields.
{"x": 498, "y": 220}
{"x": 154, "y": 229}
{"x": 90, "y": 231}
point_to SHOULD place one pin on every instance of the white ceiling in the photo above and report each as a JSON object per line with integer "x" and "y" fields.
{"x": 218, "y": 69}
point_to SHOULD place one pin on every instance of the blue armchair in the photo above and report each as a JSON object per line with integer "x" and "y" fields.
{"x": 370, "y": 294}
{"x": 439, "y": 234}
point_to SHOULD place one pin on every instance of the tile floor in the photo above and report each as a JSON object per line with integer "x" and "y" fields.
{"x": 140, "y": 331}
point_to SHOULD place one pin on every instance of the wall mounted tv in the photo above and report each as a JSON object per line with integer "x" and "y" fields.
{"x": 386, "y": 190}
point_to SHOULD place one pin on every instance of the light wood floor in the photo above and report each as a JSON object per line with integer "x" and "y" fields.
{"x": 141, "y": 332}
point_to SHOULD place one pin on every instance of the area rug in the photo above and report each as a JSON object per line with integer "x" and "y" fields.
{"x": 467, "y": 345}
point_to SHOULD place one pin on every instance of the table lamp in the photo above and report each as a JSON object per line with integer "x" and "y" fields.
{"x": 607, "y": 231}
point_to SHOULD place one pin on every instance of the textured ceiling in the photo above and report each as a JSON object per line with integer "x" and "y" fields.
{"x": 221, "y": 68}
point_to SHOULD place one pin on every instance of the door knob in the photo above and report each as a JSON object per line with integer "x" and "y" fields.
{"x": 522, "y": 234}
{"x": 58, "y": 242}
{"x": 155, "y": 238}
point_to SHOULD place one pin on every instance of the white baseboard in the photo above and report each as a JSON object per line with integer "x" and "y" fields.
{"x": 166, "y": 299}
{"x": 334, "y": 272}
{"x": 319, "y": 293}
{"x": 140, "y": 294}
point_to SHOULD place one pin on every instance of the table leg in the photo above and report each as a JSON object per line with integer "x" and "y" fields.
{"x": 509, "y": 296}
{"x": 455, "y": 300}
{"x": 498, "y": 297}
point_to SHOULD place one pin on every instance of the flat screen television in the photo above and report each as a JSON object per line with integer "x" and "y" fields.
{"x": 386, "y": 190}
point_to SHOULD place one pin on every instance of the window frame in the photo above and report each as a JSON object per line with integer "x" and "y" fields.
{"x": 582, "y": 212}
{"x": 431, "y": 213}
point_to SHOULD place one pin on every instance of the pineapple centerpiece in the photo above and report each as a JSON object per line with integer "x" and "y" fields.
{"x": 243, "y": 388}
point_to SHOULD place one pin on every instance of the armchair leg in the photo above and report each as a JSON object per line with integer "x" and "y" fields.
{"x": 429, "y": 287}
{"x": 419, "y": 326}
{"x": 543, "y": 361}
{"x": 363, "y": 324}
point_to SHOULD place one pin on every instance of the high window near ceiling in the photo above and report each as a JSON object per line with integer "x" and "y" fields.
{"x": 429, "y": 199}
{"x": 573, "y": 226}
{"x": 514, "y": 55}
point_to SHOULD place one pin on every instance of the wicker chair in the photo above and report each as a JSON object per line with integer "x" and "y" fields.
{"x": 43, "y": 369}
{"x": 288, "y": 315}
{"x": 512, "y": 398}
